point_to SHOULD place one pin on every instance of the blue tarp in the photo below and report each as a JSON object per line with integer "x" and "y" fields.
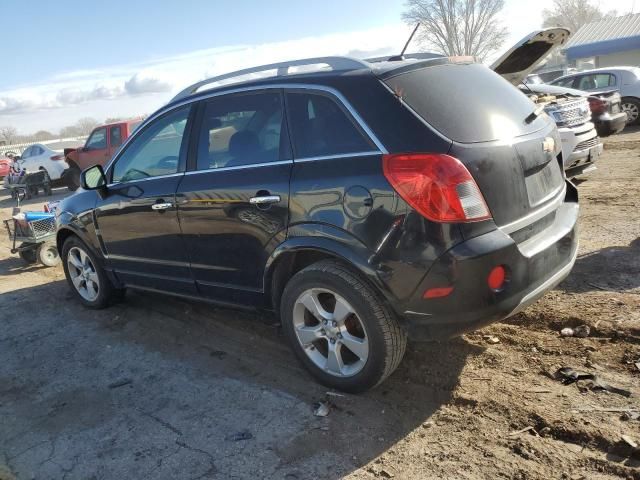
{"x": 604, "y": 47}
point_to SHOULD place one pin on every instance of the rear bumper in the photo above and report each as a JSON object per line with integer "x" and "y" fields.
{"x": 534, "y": 266}
{"x": 610, "y": 124}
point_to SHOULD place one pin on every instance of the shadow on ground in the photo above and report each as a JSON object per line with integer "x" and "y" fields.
{"x": 166, "y": 388}
{"x": 608, "y": 269}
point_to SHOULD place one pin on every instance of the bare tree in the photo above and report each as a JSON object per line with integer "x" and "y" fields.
{"x": 573, "y": 14}
{"x": 43, "y": 135}
{"x": 8, "y": 134}
{"x": 458, "y": 27}
{"x": 85, "y": 125}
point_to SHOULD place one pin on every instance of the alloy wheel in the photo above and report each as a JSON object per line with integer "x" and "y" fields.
{"x": 631, "y": 110}
{"x": 83, "y": 274}
{"x": 330, "y": 332}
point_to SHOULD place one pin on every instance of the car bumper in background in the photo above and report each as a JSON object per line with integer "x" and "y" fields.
{"x": 610, "y": 124}
{"x": 534, "y": 266}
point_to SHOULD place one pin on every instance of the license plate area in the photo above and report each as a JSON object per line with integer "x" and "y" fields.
{"x": 544, "y": 184}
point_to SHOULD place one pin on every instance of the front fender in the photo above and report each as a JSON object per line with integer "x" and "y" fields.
{"x": 82, "y": 226}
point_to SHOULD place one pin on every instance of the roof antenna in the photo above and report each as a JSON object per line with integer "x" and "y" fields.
{"x": 399, "y": 58}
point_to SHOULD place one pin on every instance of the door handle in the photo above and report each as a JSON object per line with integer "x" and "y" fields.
{"x": 264, "y": 200}
{"x": 161, "y": 206}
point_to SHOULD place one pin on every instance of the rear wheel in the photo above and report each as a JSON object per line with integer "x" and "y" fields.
{"x": 340, "y": 328}
{"x": 632, "y": 108}
{"x": 28, "y": 255}
{"x": 85, "y": 276}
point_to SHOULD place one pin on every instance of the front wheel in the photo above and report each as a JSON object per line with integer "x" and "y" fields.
{"x": 85, "y": 275}
{"x": 340, "y": 328}
{"x": 47, "y": 254}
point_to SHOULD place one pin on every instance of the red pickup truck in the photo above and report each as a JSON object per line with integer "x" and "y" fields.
{"x": 103, "y": 142}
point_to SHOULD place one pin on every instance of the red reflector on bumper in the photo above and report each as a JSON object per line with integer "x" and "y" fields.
{"x": 437, "y": 292}
{"x": 497, "y": 277}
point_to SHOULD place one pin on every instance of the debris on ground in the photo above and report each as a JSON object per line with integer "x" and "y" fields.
{"x": 587, "y": 381}
{"x": 629, "y": 441}
{"x": 237, "y": 437}
{"x": 120, "y": 383}
{"x": 630, "y": 415}
{"x": 492, "y": 339}
{"x": 321, "y": 409}
{"x": 581, "y": 331}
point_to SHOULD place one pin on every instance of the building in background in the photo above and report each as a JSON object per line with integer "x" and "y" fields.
{"x": 609, "y": 42}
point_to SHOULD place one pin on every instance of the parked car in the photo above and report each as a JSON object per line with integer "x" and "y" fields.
{"x": 581, "y": 145}
{"x": 625, "y": 79}
{"x": 366, "y": 203}
{"x": 100, "y": 146}
{"x": 40, "y": 157}
{"x": 5, "y": 166}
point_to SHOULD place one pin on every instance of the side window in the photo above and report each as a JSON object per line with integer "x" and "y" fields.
{"x": 320, "y": 127}
{"x": 26, "y": 153}
{"x": 242, "y": 129}
{"x": 115, "y": 134}
{"x": 157, "y": 150}
{"x": 587, "y": 82}
{"x": 98, "y": 139}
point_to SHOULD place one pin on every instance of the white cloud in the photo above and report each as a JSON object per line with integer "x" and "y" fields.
{"x": 142, "y": 87}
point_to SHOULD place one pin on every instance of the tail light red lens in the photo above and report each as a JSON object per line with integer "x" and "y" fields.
{"x": 438, "y": 186}
{"x": 597, "y": 105}
{"x": 57, "y": 157}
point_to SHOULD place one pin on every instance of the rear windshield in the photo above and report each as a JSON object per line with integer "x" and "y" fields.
{"x": 467, "y": 103}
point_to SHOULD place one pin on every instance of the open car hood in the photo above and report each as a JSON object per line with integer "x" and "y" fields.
{"x": 520, "y": 60}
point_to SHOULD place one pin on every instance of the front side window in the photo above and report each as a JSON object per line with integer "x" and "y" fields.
{"x": 156, "y": 151}
{"x": 116, "y": 136}
{"x": 243, "y": 129}
{"x": 26, "y": 153}
{"x": 97, "y": 140}
{"x": 595, "y": 81}
{"x": 320, "y": 127}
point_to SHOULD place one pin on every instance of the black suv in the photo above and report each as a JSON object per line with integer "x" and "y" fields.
{"x": 364, "y": 202}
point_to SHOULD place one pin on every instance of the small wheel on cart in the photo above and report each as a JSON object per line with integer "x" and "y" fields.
{"x": 48, "y": 254}
{"x": 33, "y": 191}
{"x": 28, "y": 254}
{"x": 47, "y": 189}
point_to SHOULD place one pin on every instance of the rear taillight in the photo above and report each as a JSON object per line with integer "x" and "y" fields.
{"x": 57, "y": 157}
{"x": 597, "y": 105}
{"x": 438, "y": 186}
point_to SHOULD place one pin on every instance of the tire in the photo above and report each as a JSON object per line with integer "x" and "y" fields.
{"x": 632, "y": 107}
{"x": 29, "y": 256}
{"x": 90, "y": 297}
{"x": 72, "y": 179}
{"x": 369, "y": 321}
{"x": 47, "y": 254}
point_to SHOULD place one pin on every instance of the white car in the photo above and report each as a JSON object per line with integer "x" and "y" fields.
{"x": 625, "y": 79}
{"x": 40, "y": 157}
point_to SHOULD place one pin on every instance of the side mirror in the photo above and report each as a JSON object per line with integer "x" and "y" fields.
{"x": 85, "y": 149}
{"x": 93, "y": 178}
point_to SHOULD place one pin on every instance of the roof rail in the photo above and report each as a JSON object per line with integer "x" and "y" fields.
{"x": 406, "y": 56}
{"x": 336, "y": 63}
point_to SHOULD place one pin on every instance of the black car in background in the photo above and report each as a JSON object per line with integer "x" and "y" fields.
{"x": 364, "y": 202}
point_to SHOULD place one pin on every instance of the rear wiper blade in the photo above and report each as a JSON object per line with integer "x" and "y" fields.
{"x": 535, "y": 114}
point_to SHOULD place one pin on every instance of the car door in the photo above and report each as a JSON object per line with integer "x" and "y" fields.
{"x": 136, "y": 218}
{"x": 95, "y": 151}
{"x": 233, "y": 204}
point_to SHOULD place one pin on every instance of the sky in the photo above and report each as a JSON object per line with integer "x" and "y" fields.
{"x": 69, "y": 59}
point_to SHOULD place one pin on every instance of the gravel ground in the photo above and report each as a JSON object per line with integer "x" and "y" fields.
{"x": 167, "y": 389}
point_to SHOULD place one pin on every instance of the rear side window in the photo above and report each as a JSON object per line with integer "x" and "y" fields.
{"x": 467, "y": 103}
{"x": 565, "y": 82}
{"x": 116, "y": 136}
{"x": 320, "y": 127}
{"x": 244, "y": 129}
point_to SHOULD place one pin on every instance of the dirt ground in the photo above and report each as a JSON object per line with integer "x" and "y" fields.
{"x": 162, "y": 388}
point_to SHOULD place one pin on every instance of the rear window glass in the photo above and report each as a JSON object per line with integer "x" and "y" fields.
{"x": 467, "y": 103}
